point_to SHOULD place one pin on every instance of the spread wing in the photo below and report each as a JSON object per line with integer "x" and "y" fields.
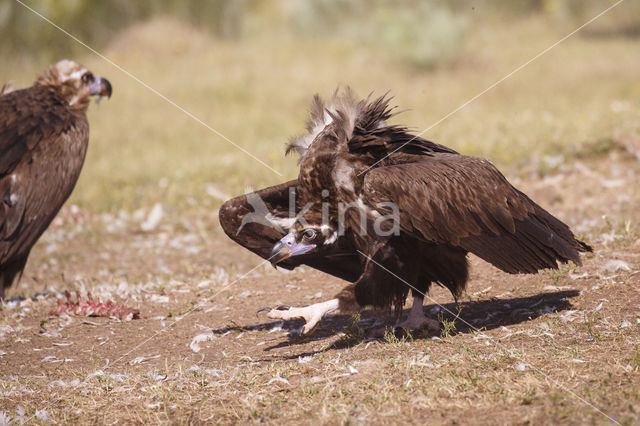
{"x": 258, "y": 220}
{"x": 466, "y": 202}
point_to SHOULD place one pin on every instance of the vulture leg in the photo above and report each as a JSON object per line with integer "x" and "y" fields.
{"x": 312, "y": 314}
{"x": 417, "y": 319}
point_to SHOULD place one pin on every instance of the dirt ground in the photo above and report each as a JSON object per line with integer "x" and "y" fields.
{"x": 557, "y": 347}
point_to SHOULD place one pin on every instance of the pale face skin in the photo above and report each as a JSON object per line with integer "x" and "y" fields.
{"x": 75, "y": 83}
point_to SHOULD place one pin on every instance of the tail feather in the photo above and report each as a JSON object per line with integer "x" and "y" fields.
{"x": 540, "y": 241}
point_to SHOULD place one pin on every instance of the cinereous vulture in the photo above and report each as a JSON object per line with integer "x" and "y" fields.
{"x": 44, "y": 134}
{"x": 391, "y": 212}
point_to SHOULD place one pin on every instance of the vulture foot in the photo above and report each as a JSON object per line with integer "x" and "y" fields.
{"x": 311, "y": 314}
{"x": 419, "y": 323}
{"x": 417, "y": 320}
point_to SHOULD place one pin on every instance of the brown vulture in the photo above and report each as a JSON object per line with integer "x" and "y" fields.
{"x": 43, "y": 140}
{"x": 386, "y": 210}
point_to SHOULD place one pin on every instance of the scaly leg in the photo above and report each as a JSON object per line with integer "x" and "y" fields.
{"x": 417, "y": 319}
{"x": 312, "y": 314}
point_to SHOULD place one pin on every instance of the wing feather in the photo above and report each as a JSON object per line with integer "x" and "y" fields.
{"x": 255, "y": 221}
{"x": 466, "y": 202}
{"x": 27, "y": 117}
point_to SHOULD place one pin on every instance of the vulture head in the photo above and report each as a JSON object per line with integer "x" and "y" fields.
{"x": 304, "y": 239}
{"x": 74, "y": 83}
{"x": 335, "y": 128}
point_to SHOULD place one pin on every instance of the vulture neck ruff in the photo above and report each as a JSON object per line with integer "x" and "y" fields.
{"x": 340, "y": 116}
{"x": 64, "y": 78}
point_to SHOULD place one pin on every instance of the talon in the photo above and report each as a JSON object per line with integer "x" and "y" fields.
{"x": 309, "y": 328}
{"x": 262, "y": 310}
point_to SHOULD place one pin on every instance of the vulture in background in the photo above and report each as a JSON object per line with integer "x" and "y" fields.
{"x": 44, "y": 134}
{"x": 391, "y": 213}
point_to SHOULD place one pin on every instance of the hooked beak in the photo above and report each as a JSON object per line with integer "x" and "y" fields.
{"x": 100, "y": 86}
{"x": 288, "y": 247}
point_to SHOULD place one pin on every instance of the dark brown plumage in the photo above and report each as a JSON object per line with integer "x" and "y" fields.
{"x": 414, "y": 211}
{"x": 43, "y": 141}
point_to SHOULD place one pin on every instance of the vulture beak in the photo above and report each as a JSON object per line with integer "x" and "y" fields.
{"x": 100, "y": 86}
{"x": 287, "y": 247}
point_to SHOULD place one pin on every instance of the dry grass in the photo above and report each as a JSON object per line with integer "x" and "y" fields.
{"x": 556, "y": 128}
{"x": 257, "y": 91}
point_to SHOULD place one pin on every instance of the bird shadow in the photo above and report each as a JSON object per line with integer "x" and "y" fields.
{"x": 455, "y": 318}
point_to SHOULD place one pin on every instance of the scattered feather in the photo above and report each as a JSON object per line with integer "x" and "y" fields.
{"x": 4, "y": 330}
{"x": 20, "y": 411}
{"x": 156, "y": 298}
{"x": 205, "y": 283}
{"x": 280, "y": 380}
{"x": 42, "y": 415}
{"x": 62, "y": 383}
{"x": 625, "y": 324}
{"x": 521, "y": 366}
{"x": 422, "y": 360}
{"x": 213, "y": 371}
{"x": 615, "y": 265}
{"x": 578, "y": 276}
{"x": 118, "y": 377}
{"x": 200, "y": 338}
{"x": 153, "y": 218}
{"x": 613, "y": 183}
{"x": 304, "y": 359}
{"x": 569, "y": 316}
{"x": 481, "y": 292}
{"x": 482, "y": 336}
{"x": 556, "y": 287}
{"x": 141, "y": 359}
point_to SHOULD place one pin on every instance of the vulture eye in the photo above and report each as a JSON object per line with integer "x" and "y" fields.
{"x": 309, "y": 234}
{"x": 87, "y": 78}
